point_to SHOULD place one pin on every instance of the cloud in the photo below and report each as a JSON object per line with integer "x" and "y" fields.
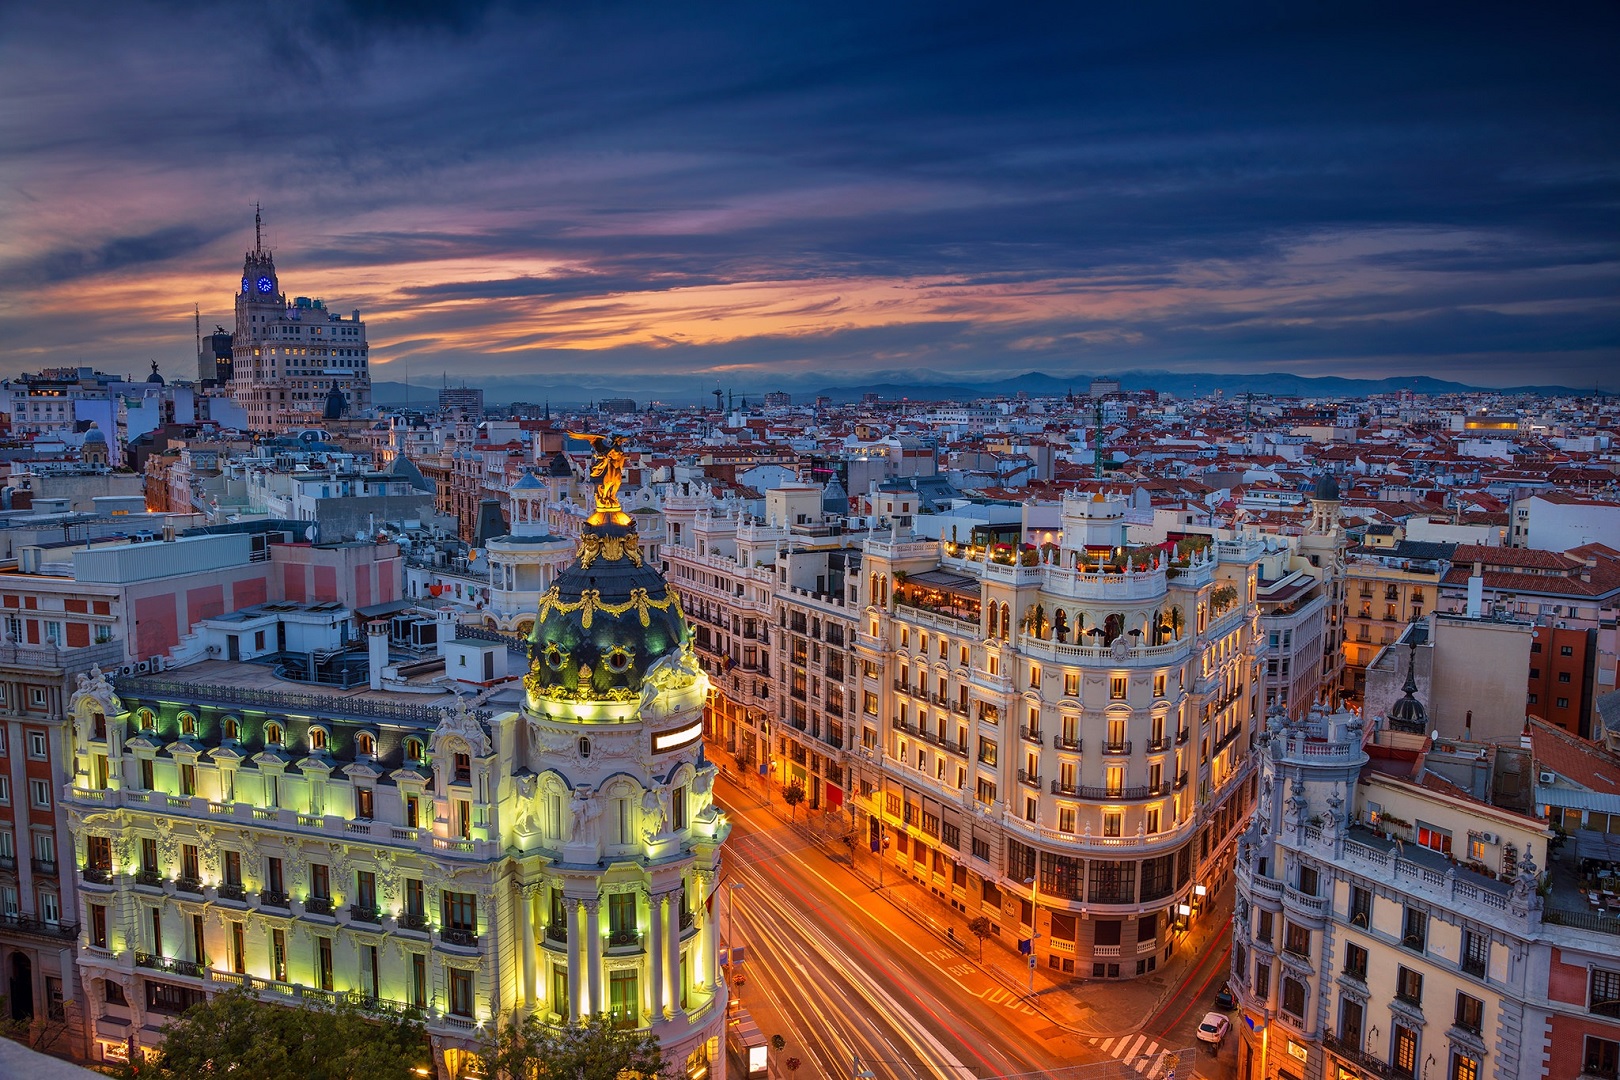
{"x": 757, "y": 189}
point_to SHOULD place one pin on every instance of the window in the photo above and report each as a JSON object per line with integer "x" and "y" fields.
{"x": 188, "y": 779}
{"x": 987, "y": 751}
{"x": 365, "y": 892}
{"x": 413, "y": 749}
{"x": 1293, "y": 996}
{"x": 320, "y": 881}
{"x": 1602, "y": 1058}
{"x": 1263, "y": 926}
{"x": 415, "y": 898}
{"x": 5, "y": 791}
{"x": 1409, "y": 986}
{"x": 461, "y": 995}
{"x": 1355, "y": 962}
{"x": 190, "y": 864}
{"x": 36, "y": 745}
{"x": 238, "y": 948}
{"x": 1464, "y": 1067}
{"x": 364, "y": 803}
{"x": 1566, "y": 650}
{"x": 39, "y": 793}
{"x": 1470, "y": 1013}
{"x": 233, "y": 869}
{"x": 323, "y": 962}
{"x": 1350, "y": 1022}
{"x": 230, "y": 729}
{"x": 1476, "y": 951}
{"x": 1116, "y": 688}
{"x": 460, "y": 910}
{"x": 1113, "y": 823}
{"x": 1416, "y": 932}
{"x": 1262, "y": 979}
{"x": 1308, "y": 880}
{"x": 365, "y": 745}
{"x": 1603, "y": 997}
{"x": 98, "y": 852}
{"x": 1405, "y": 1063}
{"x": 1071, "y": 684}
{"x": 981, "y": 848}
{"x": 98, "y": 925}
{"x": 1297, "y": 940}
{"x": 272, "y": 734}
{"x": 317, "y": 738}
{"x": 624, "y": 1002}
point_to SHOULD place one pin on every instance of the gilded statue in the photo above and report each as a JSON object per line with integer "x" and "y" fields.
{"x": 607, "y": 469}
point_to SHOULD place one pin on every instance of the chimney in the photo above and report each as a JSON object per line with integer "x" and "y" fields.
{"x": 376, "y": 651}
{"x": 1476, "y": 591}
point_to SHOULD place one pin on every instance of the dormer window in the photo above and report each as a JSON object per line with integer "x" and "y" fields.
{"x": 317, "y": 738}
{"x": 365, "y": 745}
{"x": 463, "y": 763}
{"x": 272, "y": 734}
{"x": 146, "y": 719}
{"x": 230, "y": 728}
{"x": 188, "y": 724}
{"x": 413, "y": 750}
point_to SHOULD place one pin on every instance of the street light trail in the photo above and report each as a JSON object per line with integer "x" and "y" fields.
{"x": 875, "y": 958}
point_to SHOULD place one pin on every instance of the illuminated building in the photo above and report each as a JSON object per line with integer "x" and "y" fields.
{"x": 1056, "y": 738}
{"x": 554, "y": 850}
{"x": 288, "y": 357}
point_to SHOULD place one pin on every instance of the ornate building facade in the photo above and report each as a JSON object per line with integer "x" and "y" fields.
{"x": 554, "y": 850}
{"x": 288, "y": 358}
{"x": 1057, "y": 739}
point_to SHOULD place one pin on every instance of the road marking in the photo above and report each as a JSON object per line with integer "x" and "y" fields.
{"x": 1140, "y": 1054}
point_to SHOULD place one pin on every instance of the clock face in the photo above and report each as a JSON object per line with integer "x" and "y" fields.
{"x": 245, "y": 285}
{"x": 265, "y": 285}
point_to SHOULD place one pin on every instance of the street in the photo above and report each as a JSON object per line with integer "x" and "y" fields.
{"x": 839, "y": 972}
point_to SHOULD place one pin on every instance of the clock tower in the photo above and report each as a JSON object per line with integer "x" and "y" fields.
{"x": 287, "y": 359}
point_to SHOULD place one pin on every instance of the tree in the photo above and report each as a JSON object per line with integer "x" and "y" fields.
{"x": 595, "y": 1050}
{"x": 793, "y": 795}
{"x": 235, "y": 1033}
{"x": 980, "y": 928}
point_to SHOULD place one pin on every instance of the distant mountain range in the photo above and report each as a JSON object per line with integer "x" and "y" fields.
{"x": 500, "y": 390}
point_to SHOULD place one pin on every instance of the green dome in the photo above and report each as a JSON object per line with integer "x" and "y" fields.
{"x": 605, "y": 623}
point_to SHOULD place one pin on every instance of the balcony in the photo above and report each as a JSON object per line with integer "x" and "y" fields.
{"x": 558, "y": 932}
{"x": 1158, "y": 745}
{"x": 318, "y": 905}
{"x": 624, "y": 938}
{"x": 152, "y": 879}
{"x": 232, "y": 892}
{"x": 44, "y": 866}
{"x": 1473, "y": 965}
{"x": 455, "y": 935}
{"x": 1030, "y": 779}
{"x": 365, "y": 913}
{"x": 188, "y": 968}
{"x": 274, "y": 899}
{"x": 414, "y": 920}
{"x": 1060, "y": 788}
{"x": 98, "y": 875}
{"x": 1071, "y": 745}
{"x": 1117, "y": 748}
{"x": 687, "y": 919}
{"x": 24, "y": 924}
{"x": 1182, "y": 736}
{"x": 1030, "y": 735}
{"x": 189, "y": 885}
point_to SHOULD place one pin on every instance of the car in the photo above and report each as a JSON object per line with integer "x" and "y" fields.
{"x": 1224, "y": 1000}
{"x": 1213, "y": 1029}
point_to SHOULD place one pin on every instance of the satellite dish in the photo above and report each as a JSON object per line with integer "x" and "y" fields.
{"x": 311, "y": 533}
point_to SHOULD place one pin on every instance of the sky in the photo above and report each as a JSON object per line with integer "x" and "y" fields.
{"x": 662, "y": 198}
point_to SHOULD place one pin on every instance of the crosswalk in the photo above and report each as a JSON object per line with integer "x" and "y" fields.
{"x": 1145, "y": 1056}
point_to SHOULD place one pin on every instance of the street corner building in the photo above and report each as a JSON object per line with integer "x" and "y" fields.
{"x": 553, "y": 850}
{"x": 1054, "y": 736}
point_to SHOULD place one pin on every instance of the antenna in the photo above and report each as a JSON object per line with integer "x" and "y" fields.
{"x": 196, "y": 314}
{"x": 258, "y": 234}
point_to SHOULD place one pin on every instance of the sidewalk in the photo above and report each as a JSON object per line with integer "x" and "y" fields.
{"x": 1088, "y": 1007}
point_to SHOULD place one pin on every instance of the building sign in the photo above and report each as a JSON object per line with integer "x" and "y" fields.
{"x": 665, "y": 741}
{"x": 1297, "y": 1051}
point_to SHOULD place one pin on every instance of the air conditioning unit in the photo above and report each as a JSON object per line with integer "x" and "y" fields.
{"x": 127, "y": 669}
{"x": 143, "y": 668}
{"x": 1490, "y": 838}
{"x": 1547, "y": 778}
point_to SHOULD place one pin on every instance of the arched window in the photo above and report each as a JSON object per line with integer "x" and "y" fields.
{"x": 317, "y": 738}
{"x": 188, "y": 724}
{"x": 272, "y": 734}
{"x": 413, "y": 749}
{"x": 1060, "y": 625}
{"x": 230, "y": 728}
{"x": 365, "y": 745}
{"x": 1006, "y": 622}
{"x": 146, "y": 719}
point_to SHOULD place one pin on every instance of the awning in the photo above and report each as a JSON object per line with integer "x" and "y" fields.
{"x": 1602, "y": 847}
{"x": 835, "y": 796}
{"x": 377, "y": 611}
{"x": 946, "y": 581}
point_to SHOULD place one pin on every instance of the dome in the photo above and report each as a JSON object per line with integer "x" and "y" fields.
{"x": 155, "y": 377}
{"x": 94, "y": 435}
{"x": 528, "y": 482}
{"x": 605, "y": 623}
{"x": 336, "y": 404}
{"x": 1327, "y": 489}
{"x": 1408, "y": 713}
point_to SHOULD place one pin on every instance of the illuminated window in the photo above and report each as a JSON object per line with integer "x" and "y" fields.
{"x": 272, "y": 734}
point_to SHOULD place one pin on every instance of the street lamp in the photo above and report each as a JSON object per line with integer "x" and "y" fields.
{"x": 1034, "y": 925}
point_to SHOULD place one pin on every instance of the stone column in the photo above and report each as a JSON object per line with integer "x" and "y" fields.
{"x": 656, "y": 949}
{"x": 576, "y": 959}
{"x": 709, "y": 909}
{"x": 526, "y": 898}
{"x": 672, "y": 950}
{"x": 593, "y": 952}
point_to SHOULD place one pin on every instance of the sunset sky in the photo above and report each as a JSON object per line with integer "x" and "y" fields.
{"x": 665, "y": 197}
